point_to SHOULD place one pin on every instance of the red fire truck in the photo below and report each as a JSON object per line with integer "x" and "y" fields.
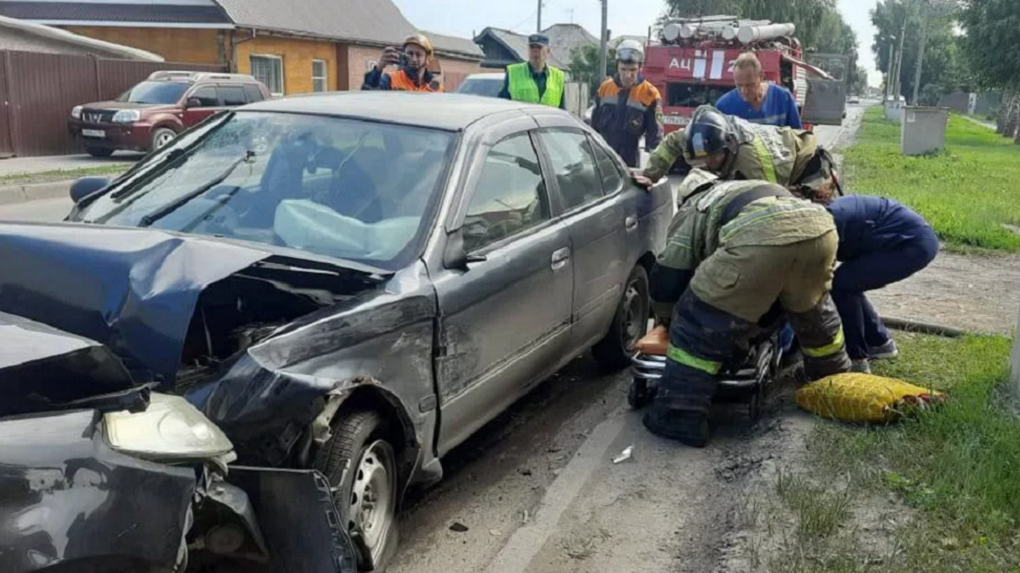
{"x": 694, "y": 63}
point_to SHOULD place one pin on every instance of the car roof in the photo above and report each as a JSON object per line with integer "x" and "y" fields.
{"x": 450, "y": 112}
{"x": 492, "y": 76}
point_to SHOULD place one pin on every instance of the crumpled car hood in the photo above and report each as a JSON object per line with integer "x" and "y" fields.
{"x": 133, "y": 290}
{"x": 42, "y": 368}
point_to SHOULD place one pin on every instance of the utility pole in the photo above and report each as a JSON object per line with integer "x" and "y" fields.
{"x": 539, "y": 16}
{"x": 899, "y": 61}
{"x": 920, "y": 51}
{"x": 603, "y": 48}
{"x": 890, "y": 68}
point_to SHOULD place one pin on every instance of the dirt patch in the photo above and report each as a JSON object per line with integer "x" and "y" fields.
{"x": 791, "y": 519}
{"x": 974, "y": 293}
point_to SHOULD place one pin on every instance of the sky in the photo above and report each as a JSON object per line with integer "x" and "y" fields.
{"x": 467, "y": 17}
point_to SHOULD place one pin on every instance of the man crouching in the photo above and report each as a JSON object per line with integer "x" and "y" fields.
{"x": 735, "y": 248}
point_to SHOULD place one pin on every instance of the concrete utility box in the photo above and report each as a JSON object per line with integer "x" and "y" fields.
{"x": 894, "y": 109}
{"x": 924, "y": 130}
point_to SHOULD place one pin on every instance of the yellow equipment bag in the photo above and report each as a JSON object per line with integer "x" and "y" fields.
{"x": 863, "y": 398}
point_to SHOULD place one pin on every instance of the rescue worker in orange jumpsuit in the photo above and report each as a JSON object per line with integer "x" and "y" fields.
{"x": 628, "y": 106}
{"x": 413, "y": 74}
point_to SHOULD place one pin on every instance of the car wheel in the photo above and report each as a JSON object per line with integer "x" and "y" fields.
{"x": 614, "y": 351}
{"x": 161, "y": 137}
{"x": 100, "y": 152}
{"x": 367, "y": 495}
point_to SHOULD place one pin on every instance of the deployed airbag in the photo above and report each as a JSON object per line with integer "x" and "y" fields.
{"x": 303, "y": 224}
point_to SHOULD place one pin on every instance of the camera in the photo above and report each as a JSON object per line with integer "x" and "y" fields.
{"x": 403, "y": 60}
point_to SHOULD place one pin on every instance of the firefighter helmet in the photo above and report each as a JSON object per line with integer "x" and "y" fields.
{"x": 421, "y": 41}
{"x": 630, "y": 52}
{"x": 709, "y": 132}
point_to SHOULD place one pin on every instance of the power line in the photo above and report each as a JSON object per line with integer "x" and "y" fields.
{"x": 524, "y": 21}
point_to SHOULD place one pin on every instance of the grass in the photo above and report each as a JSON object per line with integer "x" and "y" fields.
{"x": 968, "y": 192}
{"x": 62, "y": 174}
{"x": 819, "y": 512}
{"x": 957, "y": 466}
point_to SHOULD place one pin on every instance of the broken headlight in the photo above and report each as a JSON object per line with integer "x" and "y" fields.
{"x": 170, "y": 428}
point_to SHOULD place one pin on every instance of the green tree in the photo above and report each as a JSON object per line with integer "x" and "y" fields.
{"x": 941, "y": 65}
{"x": 990, "y": 45}
{"x": 584, "y": 66}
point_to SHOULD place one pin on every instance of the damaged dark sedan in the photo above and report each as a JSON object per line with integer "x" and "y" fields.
{"x": 353, "y": 283}
{"x": 98, "y": 474}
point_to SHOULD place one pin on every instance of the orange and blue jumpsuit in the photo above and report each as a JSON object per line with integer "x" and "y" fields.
{"x": 400, "y": 80}
{"x": 622, "y": 115}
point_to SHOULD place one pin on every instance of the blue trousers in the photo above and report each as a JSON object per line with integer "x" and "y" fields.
{"x": 862, "y": 326}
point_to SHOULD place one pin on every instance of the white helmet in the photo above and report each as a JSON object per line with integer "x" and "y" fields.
{"x": 630, "y": 52}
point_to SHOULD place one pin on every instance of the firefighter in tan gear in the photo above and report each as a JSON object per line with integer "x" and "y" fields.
{"x": 740, "y": 149}
{"x": 736, "y": 249}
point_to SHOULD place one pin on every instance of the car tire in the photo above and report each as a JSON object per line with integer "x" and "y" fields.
{"x": 161, "y": 137}
{"x": 100, "y": 152}
{"x": 630, "y": 323}
{"x": 366, "y": 496}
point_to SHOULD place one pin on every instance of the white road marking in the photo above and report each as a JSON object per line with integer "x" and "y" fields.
{"x": 526, "y": 542}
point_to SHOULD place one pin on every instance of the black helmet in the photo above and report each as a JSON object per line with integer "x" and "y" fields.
{"x": 709, "y": 132}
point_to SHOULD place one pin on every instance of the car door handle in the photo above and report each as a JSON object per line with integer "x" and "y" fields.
{"x": 631, "y": 222}
{"x": 560, "y": 258}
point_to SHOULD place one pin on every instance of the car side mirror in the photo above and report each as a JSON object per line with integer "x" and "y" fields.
{"x": 193, "y": 102}
{"x": 86, "y": 186}
{"x": 456, "y": 257}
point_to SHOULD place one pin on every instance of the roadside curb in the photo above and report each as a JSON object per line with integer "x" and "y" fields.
{"x": 14, "y": 194}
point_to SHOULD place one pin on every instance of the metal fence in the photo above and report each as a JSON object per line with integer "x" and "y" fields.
{"x": 37, "y": 92}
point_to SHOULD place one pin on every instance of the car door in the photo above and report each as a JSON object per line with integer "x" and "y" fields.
{"x": 505, "y": 312}
{"x": 201, "y": 103}
{"x": 598, "y": 227}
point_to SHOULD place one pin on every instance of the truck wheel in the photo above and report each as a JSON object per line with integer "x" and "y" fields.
{"x": 613, "y": 353}
{"x": 161, "y": 137}
{"x": 100, "y": 152}
{"x": 367, "y": 496}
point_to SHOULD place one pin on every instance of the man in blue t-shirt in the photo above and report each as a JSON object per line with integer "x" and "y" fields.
{"x": 756, "y": 100}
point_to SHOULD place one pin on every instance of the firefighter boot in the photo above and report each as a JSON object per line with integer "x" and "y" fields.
{"x": 681, "y": 408}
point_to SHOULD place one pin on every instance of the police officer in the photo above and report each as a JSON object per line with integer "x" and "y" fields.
{"x": 627, "y": 106}
{"x": 735, "y": 249}
{"x": 535, "y": 81}
{"x": 413, "y": 74}
{"x": 736, "y": 149}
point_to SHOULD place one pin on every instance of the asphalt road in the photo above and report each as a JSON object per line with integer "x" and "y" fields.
{"x": 537, "y": 489}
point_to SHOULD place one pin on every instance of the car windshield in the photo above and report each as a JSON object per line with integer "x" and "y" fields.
{"x": 683, "y": 94}
{"x": 343, "y": 188}
{"x": 482, "y": 87}
{"x": 155, "y": 93}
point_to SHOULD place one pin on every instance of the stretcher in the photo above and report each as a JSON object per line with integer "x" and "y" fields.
{"x": 744, "y": 380}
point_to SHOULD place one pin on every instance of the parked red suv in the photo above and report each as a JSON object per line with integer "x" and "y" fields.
{"x": 151, "y": 114}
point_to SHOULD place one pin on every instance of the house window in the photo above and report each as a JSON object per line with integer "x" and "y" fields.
{"x": 269, "y": 71}
{"x": 319, "y": 76}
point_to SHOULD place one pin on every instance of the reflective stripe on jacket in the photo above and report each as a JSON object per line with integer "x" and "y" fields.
{"x": 623, "y": 115}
